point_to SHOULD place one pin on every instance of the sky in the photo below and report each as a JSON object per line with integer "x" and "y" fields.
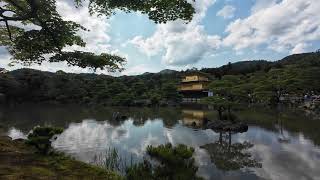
{"x": 221, "y": 31}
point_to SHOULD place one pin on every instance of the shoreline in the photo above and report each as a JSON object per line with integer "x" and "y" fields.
{"x": 19, "y": 161}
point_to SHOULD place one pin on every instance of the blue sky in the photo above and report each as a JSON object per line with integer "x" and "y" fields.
{"x": 222, "y": 31}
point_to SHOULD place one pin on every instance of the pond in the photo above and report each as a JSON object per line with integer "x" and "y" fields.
{"x": 279, "y": 144}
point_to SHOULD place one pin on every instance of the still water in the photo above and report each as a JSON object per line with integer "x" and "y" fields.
{"x": 283, "y": 144}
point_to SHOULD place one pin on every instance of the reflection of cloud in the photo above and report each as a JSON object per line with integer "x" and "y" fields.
{"x": 16, "y": 134}
{"x": 184, "y": 135}
{"x": 293, "y": 162}
{"x": 150, "y": 140}
{"x": 299, "y": 159}
{"x": 119, "y": 134}
{"x": 89, "y": 138}
{"x": 202, "y": 160}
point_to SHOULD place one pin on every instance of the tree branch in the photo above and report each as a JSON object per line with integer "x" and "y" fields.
{"x": 18, "y": 18}
{"x": 8, "y": 29}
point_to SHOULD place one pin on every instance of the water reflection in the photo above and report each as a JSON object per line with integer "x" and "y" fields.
{"x": 16, "y": 134}
{"x": 283, "y": 135}
{"x": 90, "y": 132}
{"x": 228, "y": 156}
{"x": 194, "y": 118}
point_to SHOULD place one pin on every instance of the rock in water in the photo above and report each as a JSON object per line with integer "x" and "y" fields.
{"x": 225, "y": 126}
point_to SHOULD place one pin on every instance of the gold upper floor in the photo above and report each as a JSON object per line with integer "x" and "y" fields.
{"x": 196, "y": 86}
{"x": 194, "y": 82}
{"x": 194, "y": 78}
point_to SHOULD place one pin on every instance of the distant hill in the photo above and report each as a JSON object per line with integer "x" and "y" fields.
{"x": 311, "y": 59}
{"x": 167, "y": 71}
{"x": 245, "y": 67}
{"x": 242, "y": 67}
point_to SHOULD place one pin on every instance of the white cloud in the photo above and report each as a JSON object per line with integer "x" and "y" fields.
{"x": 300, "y": 48}
{"x": 262, "y": 4}
{"x": 227, "y": 12}
{"x": 139, "y": 69}
{"x": 280, "y": 26}
{"x": 97, "y": 37}
{"x": 180, "y": 43}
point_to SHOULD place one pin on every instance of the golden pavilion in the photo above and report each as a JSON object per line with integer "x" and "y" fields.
{"x": 194, "y": 86}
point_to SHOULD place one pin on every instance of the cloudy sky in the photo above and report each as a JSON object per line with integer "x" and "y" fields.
{"x": 221, "y": 31}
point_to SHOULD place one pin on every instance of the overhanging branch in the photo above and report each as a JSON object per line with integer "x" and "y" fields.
{"x": 8, "y": 29}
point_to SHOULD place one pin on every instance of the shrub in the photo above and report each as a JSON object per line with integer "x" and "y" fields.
{"x": 41, "y": 137}
{"x": 173, "y": 163}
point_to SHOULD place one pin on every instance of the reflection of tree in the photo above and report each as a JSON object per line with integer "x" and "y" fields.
{"x": 229, "y": 157}
{"x": 282, "y": 138}
{"x": 169, "y": 117}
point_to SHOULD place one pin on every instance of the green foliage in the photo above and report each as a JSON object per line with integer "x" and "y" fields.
{"x": 50, "y": 33}
{"x": 175, "y": 163}
{"x": 171, "y": 155}
{"x": 86, "y": 59}
{"x": 295, "y": 75}
{"x": 155, "y": 98}
{"x": 123, "y": 99}
{"x": 158, "y": 11}
{"x": 140, "y": 171}
{"x": 218, "y": 101}
{"x": 169, "y": 92}
{"x": 26, "y": 85}
{"x": 41, "y": 137}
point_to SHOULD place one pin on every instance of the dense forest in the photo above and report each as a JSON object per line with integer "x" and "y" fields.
{"x": 248, "y": 81}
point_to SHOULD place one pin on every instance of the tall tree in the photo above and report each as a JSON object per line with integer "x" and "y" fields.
{"x": 50, "y": 33}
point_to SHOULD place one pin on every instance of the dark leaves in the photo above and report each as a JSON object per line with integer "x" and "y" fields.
{"x": 87, "y": 59}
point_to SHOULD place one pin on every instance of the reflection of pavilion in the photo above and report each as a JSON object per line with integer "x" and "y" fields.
{"x": 195, "y": 118}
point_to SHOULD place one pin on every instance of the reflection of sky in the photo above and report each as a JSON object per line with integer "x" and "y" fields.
{"x": 297, "y": 159}
{"x": 16, "y": 134}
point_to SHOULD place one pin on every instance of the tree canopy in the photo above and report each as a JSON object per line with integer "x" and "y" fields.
{"x": 50, "y": 33}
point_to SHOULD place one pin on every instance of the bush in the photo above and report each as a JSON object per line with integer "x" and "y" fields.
{"x": 41, "y": 137}
{"x": 173, "y": 163}
{"x": 172, "y": 155}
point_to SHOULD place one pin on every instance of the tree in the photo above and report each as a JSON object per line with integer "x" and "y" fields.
{"x": 221, "y": 104}
{"x": 50, "y": 33}
{"x": 10, "y": 87}
{"x": 122, "y": 99}
{"x": 170, "y": 93}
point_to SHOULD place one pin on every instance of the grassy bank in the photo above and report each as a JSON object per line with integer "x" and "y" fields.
{"x": 20, "y": 161}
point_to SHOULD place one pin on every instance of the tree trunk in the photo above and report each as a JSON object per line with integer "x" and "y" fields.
{"x": 220, "y": 113}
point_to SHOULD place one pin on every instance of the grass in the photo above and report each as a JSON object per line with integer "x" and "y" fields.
{"x": 20, "y": 161}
